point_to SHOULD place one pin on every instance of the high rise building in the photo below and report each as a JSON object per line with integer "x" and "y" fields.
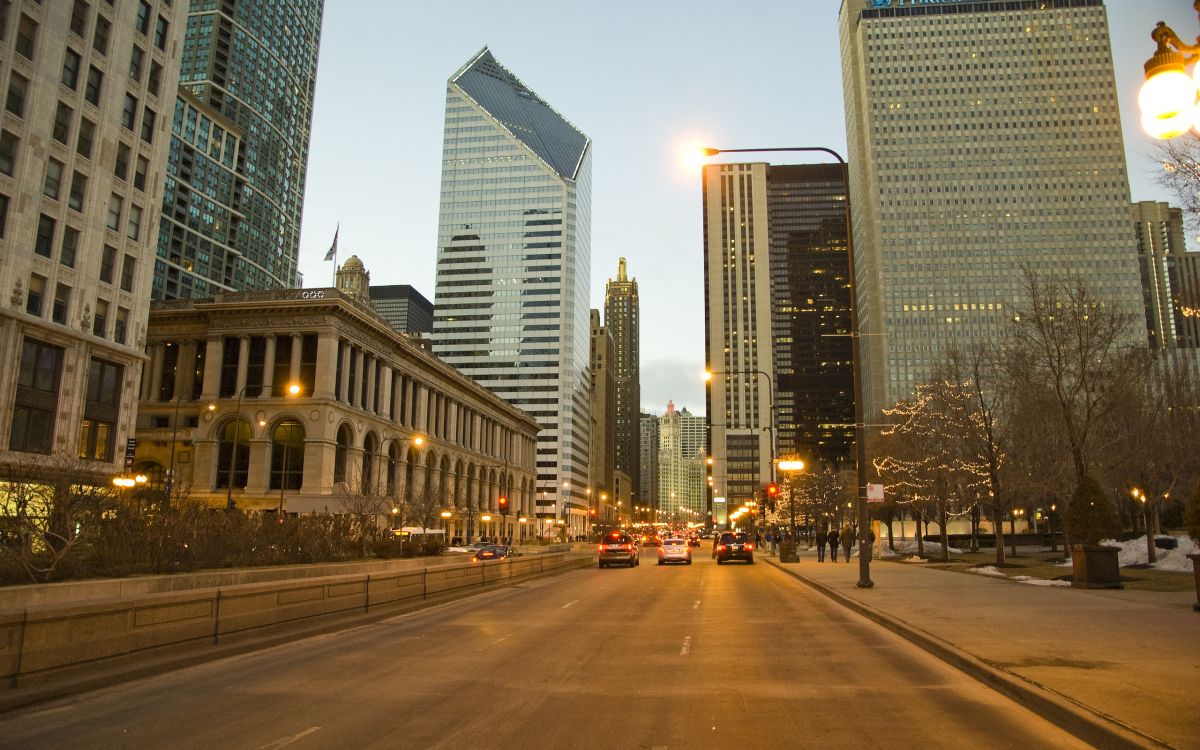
{"x": 648, "y": 460}
{"x": 682, "y": 492}
{"x": 403, "y": 307}
{"x": 239, "y": 147}
{"x": 513, "y": 265}
{"x": 977, "y": 150}
{"x": 83, "y": 147}
{"x": 1170, "y": 280}
{"x": 622, "y": 318}
{"x": 603, "y": 412}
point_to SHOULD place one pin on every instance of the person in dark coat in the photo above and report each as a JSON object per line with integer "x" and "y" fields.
{"x": 833, "y": 544}
{"x": 847, "y": 539}
{"x": 822, "y": 537}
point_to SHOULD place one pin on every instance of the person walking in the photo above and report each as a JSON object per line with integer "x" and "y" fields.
{"x": 833, "y": 544}
{"x": 847, "y": 539}
{"x": 822, "y": 537}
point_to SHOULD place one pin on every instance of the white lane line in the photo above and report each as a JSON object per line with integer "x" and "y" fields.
{"x": 696, "y": 605}
{"x": 687, "y": 646}
{"x": 285, "y": 741}
{"x": 569, "y": 604}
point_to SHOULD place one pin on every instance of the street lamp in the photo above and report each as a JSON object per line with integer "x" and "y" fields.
{"x": 293, "y": 389}
{"x": 791, "y": 467}
{"x": 1168, "y": 96}
{"x": 445, "y": 514}
{"x": 1139, "y": 495}
{"x": 860, "y": 448}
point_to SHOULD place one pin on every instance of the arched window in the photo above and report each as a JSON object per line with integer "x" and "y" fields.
{"x": 233, "y": 431}
{"x": 340, "y": 454}
{"x": 393, "y": 460}
{"x": 287, "y": 455}
{"x": 409, "y": 473}
{"x": 370, "y": 448}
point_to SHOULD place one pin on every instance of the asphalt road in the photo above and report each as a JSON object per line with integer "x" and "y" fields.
{"x": 699, "y": 656}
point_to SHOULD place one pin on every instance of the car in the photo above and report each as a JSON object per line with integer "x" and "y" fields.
{"x": 651, "y": 541}
{"x": 734, "y": 545}
{"x": 618, "y": 548}
{"x": 494, "y": 552}
{"x": 674, "y": 549}
{"x": 694, "y": 541}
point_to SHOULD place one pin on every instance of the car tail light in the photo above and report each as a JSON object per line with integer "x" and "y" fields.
{"x": 749, "y": 546}
{"x": 720, "y": 548}
{"x": 601, "y": 548}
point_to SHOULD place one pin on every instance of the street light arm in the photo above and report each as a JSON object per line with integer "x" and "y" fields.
{"x": 822, "y": 149}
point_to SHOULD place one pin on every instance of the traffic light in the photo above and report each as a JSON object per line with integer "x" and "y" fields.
{"x": 772, "y": 495}
{"x": 503, "y": 505}
{"x": 593, "y": 511}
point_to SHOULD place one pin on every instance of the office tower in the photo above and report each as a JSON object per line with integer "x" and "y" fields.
{"x": 239, "y": 148}
{"x": 603, "y": 412}
{"x": 513, "y": 265}
{"x": 622, "y": 318}
{"x": 648, "y": 461}
{"x": 682, "y": 492}
{"x": 1170, "y": 285}
{"x": 978, "y": 149}
{"x": 404, "y": 308}
{"x": 83, "y": 149}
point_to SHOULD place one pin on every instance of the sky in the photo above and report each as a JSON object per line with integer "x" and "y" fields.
{"x": 648, "y": 82}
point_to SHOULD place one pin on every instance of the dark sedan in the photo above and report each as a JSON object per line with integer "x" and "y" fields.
{"x": 494, "y": 552}
{"x": 734, "y": 546}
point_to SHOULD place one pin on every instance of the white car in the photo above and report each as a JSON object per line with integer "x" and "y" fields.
{"x": 674, "y": 549}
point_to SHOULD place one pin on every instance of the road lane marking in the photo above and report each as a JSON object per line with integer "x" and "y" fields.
{"x": 696, "y": 605}
{"x": 568, "y": 604}
{"x": 285, "y": 741}
{"x": 687, "y": 646}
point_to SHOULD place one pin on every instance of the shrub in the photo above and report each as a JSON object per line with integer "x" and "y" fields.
{"x": 1191, "y": 516}
{"x": 1091, "y": 515}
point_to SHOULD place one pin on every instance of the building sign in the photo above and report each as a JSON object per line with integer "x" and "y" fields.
{"x": 874, "y": 493}
{"x": 718, "y": 500}
{"x": 130, "y": 450}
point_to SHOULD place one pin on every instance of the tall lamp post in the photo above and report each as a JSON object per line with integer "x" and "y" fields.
{"x": 860, "y": 448}
{"x": 237, "y": 430}
{"x": 293, "y": 389}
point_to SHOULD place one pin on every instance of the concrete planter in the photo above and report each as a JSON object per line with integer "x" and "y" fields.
{"x": 787, "y": 552}
{"x": 1196, "y": 572}
{"x": 1095, "y": 567}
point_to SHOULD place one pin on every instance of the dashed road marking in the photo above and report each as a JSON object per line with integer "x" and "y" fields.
{"x": 696, "y": 605}
{"x": 285, "y": 741}
{"x": 687, "y": 646}
{"x": 569, "y": 604}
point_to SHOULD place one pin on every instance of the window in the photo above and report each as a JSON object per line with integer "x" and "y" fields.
{"x": 129, "y": 111}
{"x": 233, "y": 432}
{"x": 3, "y": 213}
{"x": 62, "y": 123}
{"x": 133, "y": 227}
{"x": 154, "y": 82}
{"x": 115, "y": 204}
{"x": 52, "y": 185}
{"x": 100, "y": 38}
{"x": 62, "y": 304}
{"x": 78, "y": 191}
{"x": 79, "y": 16}
{"x": 70, "y": 247}
{"x": 121, "y": 326}
{"x": 160, "y": 33}
{"x": 37, "y": 398}
{"x": 127, "y": 268}
{"x": 91, "y": 91}
{"x": 26, "y": 33}
{"x": 87, "y": 138}
{"x": 287, "y": 455}
{"x": 139, "y": 173}
{"x": 45, "y": 236}
{"x": 108, "y": 262}
{"x": 121, "y": 168}
{"x": 18, "y": 86}
{"x": 70, "y": 69}
{"x": 148, "y": 125}
{"x": 143, "y": 17}
{"x": 100, "y": 322}
{"x": 136, "y": 60}
{"x": 8, "y": 152}
{"x": 37, "y": 293}
{"x": 97, "y": 433}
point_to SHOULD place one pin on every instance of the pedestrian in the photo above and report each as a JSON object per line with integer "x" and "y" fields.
{"x": 822, "y": 537}
{"x": 847, "y": 539}
{"x": 833, "y": 544}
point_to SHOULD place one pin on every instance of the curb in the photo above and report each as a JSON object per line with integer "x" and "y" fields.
{"x": 1066, "y": 713}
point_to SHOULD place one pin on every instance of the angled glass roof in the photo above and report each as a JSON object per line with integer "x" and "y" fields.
{"x": 529, "y": 118}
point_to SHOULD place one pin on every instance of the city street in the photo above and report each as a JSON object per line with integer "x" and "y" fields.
{"x": 649, "y": 657}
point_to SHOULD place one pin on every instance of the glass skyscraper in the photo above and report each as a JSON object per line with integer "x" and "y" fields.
{"x": 513, "y": 266}
{"x": 239, "y": 148}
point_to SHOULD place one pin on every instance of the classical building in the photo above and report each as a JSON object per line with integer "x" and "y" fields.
{"x": 682, "y": 492}
{"x": 84, "y": 136}
{"x": 604, "y": 423}
{"x": 514, "y": 266}
{"x": 1170, "y": 276}
{"x": 404, "y": 308}
{"x": 373, "y": 418}
{"x": 972, "y": 160}
{"x": 242, "y": 114}
{"x": 622, "y": 316}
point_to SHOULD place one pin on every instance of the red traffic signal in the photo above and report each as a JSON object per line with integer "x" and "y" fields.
{"x": 772, "y": 490}
{"x": 503, "y": 506}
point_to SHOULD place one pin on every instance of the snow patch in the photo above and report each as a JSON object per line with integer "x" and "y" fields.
{"x": 1133, "y": 552}
{"x": 988, "y": 570}
{"x": 1040, "y": 581}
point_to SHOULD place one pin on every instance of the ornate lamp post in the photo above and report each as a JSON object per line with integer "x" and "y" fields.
{"x": 1168, "y": 96}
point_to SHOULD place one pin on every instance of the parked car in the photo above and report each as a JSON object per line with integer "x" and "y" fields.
{"x": 734, "y": 546}
{"x": 674, "y": 550}
{"x": 495, "y": 552}
{"x": 618, "y": 548}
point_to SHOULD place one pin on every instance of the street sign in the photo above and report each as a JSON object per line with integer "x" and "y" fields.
{"x": 874, "y": 493}
{"x": 718, "y": 500}
{"x": 130, "y": 450}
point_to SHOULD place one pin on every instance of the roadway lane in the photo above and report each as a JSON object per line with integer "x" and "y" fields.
{"x": 650, "y": 657}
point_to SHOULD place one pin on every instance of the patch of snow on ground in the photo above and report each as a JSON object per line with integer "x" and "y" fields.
{"x": 1133, "y": 552}
{"x": 914, "y": 560}
{"x": 988, "y": 570}
{"x": 931, "y": 549}
{"x": 1040, "y": 581}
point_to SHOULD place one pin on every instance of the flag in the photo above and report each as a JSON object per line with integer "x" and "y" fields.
{"x": 333, "y": 248}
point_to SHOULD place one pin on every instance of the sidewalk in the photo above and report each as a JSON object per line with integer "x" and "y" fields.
{"x": 1117, "y": 657}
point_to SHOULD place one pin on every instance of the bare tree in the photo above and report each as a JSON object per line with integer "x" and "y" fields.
{"x": 1180, "y": 174}
{"x": 363, "y": 503}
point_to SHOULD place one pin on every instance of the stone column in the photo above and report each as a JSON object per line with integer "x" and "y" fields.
{"x": 212, "y": 369}
{"x": 359, "y": 357}
{"x": 156, "y": 364}
{"x": 185, "y": 370}
{"x": 297, "y": 353}
{"x": 347, "y": 363}
{"x": 259, "y": 477}
{"x": 327, "y": 353}
{"x": 369, "y": 366}
{"x": 385, "y": 393}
